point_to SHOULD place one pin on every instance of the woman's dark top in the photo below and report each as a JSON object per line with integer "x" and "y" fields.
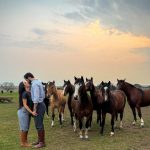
{"x": 27, "y": 95}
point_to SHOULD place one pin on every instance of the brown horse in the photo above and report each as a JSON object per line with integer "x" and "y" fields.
{"x": 57, "y": 100}
{"x": 136, "y": 98}
{"x": 81, "y": 106}
{"x": 113, "y": 103}
{"x": 69, "y": 89}
{"x": 96, "y": 96}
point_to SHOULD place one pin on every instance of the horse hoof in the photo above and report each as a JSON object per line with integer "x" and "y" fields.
{"x": 89, "y": 128}
{"x": 86, "y": 137}
{"x": 81, "y": 137}
{"x": 142, "y": 125}
{"x": 112, "y": 133}
{"x": 133, "y": 123}
{"x": 121, "y": 127}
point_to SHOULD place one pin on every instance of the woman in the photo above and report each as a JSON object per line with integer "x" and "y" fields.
{"x": 25, "y": 112}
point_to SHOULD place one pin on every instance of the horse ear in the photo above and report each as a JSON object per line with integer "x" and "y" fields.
{"x": 109, "y": 82}
{"x": 92, "y": 79}
{"x": 117, "y": 80}
{"x": 86, "y": 79}
{"x": 82, "y": 78}
{"x": 75, "y": 78}
{"x": 64, "y": 81}
{"x": 68, "y": 81}
{"x": 53, "y": 82}
{"x": 102, "y": 83}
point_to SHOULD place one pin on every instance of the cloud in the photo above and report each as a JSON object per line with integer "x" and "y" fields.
{"x": 127, "y": 16}
{"x": 39, "y": 32}
{"x": 75, "y": 16}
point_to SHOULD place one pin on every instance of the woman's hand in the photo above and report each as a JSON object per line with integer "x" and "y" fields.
{"x": 34, "y": 113}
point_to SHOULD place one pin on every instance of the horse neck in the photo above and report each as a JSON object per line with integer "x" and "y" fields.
{"x": 55, "y": 94}
{"x": 93, "y": 92}
{"x": 71, "y": 91}
{"x": 83, "y": 96}
{"x": 128, "y": 88}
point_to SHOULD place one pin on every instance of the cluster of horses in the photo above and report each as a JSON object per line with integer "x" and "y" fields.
{"x": 83, "y": 97}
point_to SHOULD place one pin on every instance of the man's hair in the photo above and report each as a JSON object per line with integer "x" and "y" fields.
{"x": 28, "y": 74}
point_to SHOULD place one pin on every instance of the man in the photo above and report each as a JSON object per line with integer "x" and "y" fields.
{"x": 38, "y": 95}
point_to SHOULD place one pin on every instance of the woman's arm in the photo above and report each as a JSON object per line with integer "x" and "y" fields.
{"x": 27, "y": 107}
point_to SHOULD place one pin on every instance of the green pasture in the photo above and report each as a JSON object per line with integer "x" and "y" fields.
{"x": 128, "y": 138}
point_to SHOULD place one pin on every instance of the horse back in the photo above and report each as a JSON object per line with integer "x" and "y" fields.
{"x": 119, "y": 98}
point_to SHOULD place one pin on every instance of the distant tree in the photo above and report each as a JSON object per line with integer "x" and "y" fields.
{"x": 8, "y": 86}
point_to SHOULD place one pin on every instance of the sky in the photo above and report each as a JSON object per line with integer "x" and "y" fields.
{"x": 60, "y": 39}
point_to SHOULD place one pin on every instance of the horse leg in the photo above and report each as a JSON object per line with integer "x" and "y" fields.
{"x": 116, "y": 116}
{"x": 140, "y": 115}
{"x": 112, "y": 124}
{"x": 121, "y": 117}
{"x": 97, "y": 116}
{"x": 86, "y": 128}
{"x": 53, "y": 116}
{"x": 90, "y": 122}
{"x": 60, "y": 117}
{"x": 74, "y": 123}
{"x": 46, "y": 101}
{"x": 100, "y": 117}
{"x": 62, "y": 114}
{"x": 103, "y": 122}
{"x": 80, "y": 127}
{"x": 70, "y": 110}
{"x": 134, "y": 114}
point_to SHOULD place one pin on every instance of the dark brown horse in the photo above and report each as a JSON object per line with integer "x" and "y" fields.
{"x": 57, "y": 100}
{"x": 96, "y": 96}
{"x": 113, "y": 103}
{"x": 69, "y": 89}
{"x": 81, "y": 106}
{"x": 136, "y": 98}
{"x": 46, "y": 99}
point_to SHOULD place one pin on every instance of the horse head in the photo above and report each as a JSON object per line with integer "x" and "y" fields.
{"x": 66, "y": 87}
{"x": 89, "y": 84}
{"x": 51, "y": 88}
{"x": 120, "y": 84}
{"x": 79, "y": 87}
{"x": 105, "y": 88}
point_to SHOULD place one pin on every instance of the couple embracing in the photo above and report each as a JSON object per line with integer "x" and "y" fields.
{"x": 31, "y": 96}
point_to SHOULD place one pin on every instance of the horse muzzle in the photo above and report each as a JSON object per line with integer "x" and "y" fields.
{"x": 76, "y": 97}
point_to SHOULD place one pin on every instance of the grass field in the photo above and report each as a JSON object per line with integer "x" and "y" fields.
{"x": 128, "y": 138}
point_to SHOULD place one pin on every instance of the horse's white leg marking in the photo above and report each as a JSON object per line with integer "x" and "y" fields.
{"x": 134, "y": 122}
{"x": 142, "y": 122}
{"x": 112, "y": 133}
{"x": 121, "y": 124}
{"x": 52, "y": 124}
{"x": 62, "y": 117}
{"x": 86, "y": 133}
{"x": 80, "y": 134}
{"x": 74, "y": 126}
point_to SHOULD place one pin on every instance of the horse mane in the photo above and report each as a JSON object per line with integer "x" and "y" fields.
{"x": 132, "y": 86}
